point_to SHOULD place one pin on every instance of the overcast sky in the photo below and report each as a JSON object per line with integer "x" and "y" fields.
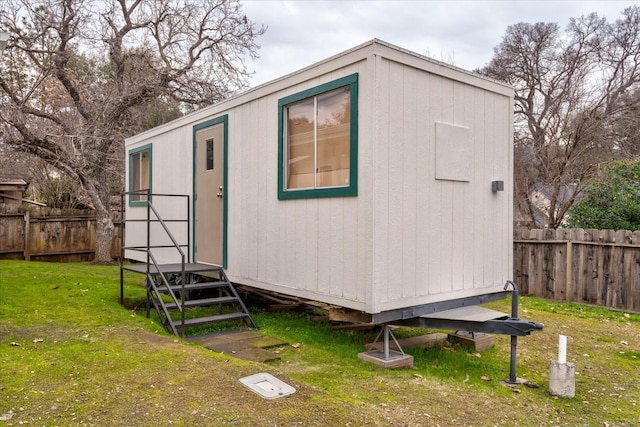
{"x": 462, "y": 33}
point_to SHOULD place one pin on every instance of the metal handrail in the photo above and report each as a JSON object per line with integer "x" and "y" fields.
{"x": 166, "y": 229}
{"x": 163, "y": 222}
{"x": 180, "y": 304}
{"x": 165, "y": 282}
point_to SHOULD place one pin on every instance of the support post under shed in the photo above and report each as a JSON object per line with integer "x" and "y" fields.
{"x": 480, "y": 319}
{"x": 386, "y": 357}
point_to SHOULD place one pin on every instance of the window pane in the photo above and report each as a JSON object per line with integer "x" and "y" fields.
{"x": 145, "y": 172}
{"x": 334, "y": 120}
{"x": 300, "y": 145}
{"x": 135, "y": 175}
{"x": 140, "y": 173}
{"x": 318, "y": 140}
{"x": 209, "y": 154}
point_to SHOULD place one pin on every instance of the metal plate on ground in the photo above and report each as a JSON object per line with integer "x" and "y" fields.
{"x": 246, "y": 345}
{"x": 267, "y": 386}
{"x": 471, "y": 313}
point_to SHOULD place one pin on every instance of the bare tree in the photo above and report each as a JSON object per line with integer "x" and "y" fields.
{"x": 570, "y": 88}
{"x": 78, "y": 76}
{"x": 627, "y": 129}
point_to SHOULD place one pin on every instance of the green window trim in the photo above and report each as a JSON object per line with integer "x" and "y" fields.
{"x": 149, "y": 148}
{"x": 318, "y": 192}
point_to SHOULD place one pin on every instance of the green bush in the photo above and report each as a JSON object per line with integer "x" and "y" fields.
{"x": 612, "y": 200}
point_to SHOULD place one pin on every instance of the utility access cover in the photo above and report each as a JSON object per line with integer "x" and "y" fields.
{"x": 267, "y": 386}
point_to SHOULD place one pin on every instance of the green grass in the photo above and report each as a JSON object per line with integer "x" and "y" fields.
{"x": 70, "y": 354}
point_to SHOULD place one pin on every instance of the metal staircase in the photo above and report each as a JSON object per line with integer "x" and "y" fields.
{"x": 191, "y": 299}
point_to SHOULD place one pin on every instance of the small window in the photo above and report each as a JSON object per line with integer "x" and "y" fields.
{"x": 318, "y": 141}
{"x": 209, "y": 155}
{"x": 139, "y": 174}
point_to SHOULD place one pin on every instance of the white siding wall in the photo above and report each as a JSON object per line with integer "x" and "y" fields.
{"x": 407, "y": 238}
{"x": 171, "y": 170}
{"x": 316, "y": 248}
{"x": 438, "y": 239}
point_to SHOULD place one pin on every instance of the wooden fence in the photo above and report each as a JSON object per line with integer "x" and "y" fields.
{"x": 600, "y": 267}
{"x": 50, "y": 235}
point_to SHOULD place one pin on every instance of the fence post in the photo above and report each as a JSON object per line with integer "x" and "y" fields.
{"x": 569, "y": 287}
{"x": 27, "y": 234}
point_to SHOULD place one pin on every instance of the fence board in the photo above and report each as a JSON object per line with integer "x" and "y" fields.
{"x": 49, "y": 235}
{"x": 600, "y": 267}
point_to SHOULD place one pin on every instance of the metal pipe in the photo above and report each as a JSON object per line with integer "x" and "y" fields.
{"x": 121, "y": 248}
{"x": 514, "y": 298}
{"x": 386, "y": 342}
{"x": 513, "y": 378}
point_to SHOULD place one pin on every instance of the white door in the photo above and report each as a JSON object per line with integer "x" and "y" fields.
{"x": 209, "y": 194}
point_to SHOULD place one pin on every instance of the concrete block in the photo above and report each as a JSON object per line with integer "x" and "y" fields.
{"x": 478, "y": 341}
{"x": 562, "y": 379}
{"x": 396, "y": 359}
{"x": 422, "y": 341}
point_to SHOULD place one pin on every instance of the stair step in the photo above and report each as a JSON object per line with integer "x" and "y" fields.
{"x": 213, "y": 319}
{"x": 204, "y": 302}
{"x": 195, "y": 286}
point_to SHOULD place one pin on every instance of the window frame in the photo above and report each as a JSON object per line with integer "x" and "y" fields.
{"x": 209, "y": 160}
{"x": 318, "y": 192}
{"x": 132, "y": 153}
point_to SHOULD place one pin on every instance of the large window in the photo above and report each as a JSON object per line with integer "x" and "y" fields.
{"x": 139, "y": 174}
{"x": 318, "y": 139}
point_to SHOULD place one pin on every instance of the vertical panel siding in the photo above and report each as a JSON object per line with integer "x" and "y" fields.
{"x": 395, "y": 183}
{"x": 482, "y": 158}
{"x": 499, "y": 227}
{"x": 334, "y": 269}
{"x": 443, "y": 112}
{"x": 268, "y": 209}
{"x": 463, "y": 209}
{"x": 380, "y": 191}
{"x": 308, "y": 246}
{"x": 350, "y": 249}
{"x": 367, "y": 137}
{"x": 437, "y": 238}
{"x": 488, "y": 252}
{"x": 426, "y": 209}
{"x": 264, "y": 225}
{"x": 436, "y": 213}
{"x": 410, "y": 183}
{"x": 171, "y": 175}
{"x": 253, "y": 249}
{"x": 309, "y": 265}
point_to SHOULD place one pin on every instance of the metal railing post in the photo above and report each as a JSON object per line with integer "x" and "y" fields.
{"x": 513, "y": 379}
{"x": 121, "y": 248}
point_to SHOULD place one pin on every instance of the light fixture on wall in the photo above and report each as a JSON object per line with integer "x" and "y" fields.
{"x": 497, "y": 186}
{"x": 4, "y": 38}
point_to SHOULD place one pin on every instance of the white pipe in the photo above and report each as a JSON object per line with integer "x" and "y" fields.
{"x": 562, "y": 349}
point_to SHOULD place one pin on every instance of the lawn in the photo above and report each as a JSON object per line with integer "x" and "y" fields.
{"x": 72, "y": 355}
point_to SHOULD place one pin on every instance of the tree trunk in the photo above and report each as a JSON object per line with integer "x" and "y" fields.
{"x": 104, "y": 237}
{"x": 98, "y": 190}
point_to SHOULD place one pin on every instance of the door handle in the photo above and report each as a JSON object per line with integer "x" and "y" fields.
{"x": 220, "y": 194}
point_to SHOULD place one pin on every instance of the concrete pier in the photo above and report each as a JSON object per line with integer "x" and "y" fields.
{"x": 562, "y": 379}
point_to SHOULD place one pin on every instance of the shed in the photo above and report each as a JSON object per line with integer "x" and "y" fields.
{"x": 12, "y": 190}
{"x": 377, "y": 180}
